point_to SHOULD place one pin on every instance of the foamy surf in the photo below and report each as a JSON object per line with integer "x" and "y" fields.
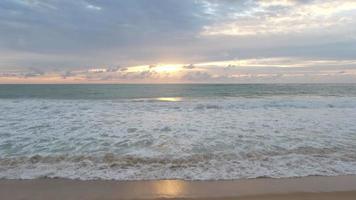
{"x": 192, "y": 138}
{"x": 195, "y": 167}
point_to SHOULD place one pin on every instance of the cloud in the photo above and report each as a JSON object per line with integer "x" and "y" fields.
{"x": 92, "y": 7}
{"x": 286, "y": 16}
{"x": 259, "y": 70}
{"x": 191, "y": 66}
{"x": 60, "y": 36}
{"x": 269, "y": 3}
{"x": 197, "y": 76}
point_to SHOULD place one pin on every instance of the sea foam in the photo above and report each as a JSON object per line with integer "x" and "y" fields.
{"x": 193, "y": 138}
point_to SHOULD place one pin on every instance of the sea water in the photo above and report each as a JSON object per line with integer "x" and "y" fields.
{"x": 182, "y": 131}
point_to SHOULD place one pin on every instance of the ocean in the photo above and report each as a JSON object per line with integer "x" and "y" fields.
{"x": 177, "y": 131}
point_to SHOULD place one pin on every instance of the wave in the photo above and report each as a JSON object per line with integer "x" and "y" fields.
{"x": 208, "y": 166}
{"x": 194, "y": 138}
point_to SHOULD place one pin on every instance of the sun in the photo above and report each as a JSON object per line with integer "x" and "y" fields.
{"x": 159, "y": 68}
{"x": 167, "y": 68}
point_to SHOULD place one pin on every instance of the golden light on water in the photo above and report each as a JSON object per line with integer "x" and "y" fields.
{"x": 171, "y": 99}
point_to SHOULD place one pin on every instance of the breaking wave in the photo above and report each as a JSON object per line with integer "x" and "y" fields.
{"x": 177, "y": 138}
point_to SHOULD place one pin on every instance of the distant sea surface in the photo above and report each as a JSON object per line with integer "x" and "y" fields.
{"x": 177, "y": 131}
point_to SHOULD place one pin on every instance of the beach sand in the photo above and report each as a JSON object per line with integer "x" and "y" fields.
{"x": 308, "y": 188}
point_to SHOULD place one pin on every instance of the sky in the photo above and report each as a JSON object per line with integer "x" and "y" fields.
{"x": 177, "y": 41}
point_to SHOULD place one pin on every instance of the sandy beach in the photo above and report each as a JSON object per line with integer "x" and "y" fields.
{"x": 339, "y": 187}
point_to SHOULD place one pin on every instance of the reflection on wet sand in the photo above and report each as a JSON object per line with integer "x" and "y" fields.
{"x": 170, "y": 188}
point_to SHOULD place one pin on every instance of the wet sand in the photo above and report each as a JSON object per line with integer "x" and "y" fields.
{"x": 328, "y": 188}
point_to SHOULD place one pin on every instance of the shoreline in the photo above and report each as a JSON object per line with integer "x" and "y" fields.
{"x": 312, "y": 187}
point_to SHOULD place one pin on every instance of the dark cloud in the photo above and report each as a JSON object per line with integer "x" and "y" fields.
{"x": 65, "y": 25}
{"x": 197, "y": 76}
{"x": 191, "y": 66}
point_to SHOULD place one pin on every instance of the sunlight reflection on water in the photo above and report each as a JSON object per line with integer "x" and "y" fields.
{"x": 172, "y": 99}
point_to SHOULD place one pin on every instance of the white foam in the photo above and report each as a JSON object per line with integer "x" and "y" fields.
{"x": 196, "y": 139}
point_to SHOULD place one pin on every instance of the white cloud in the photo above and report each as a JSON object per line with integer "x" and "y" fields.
{"x": 288, "y": 17}
{"x": 37, "y": 4}
{"x": 268, "y": 3}
{"x": 93, "y": 7}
